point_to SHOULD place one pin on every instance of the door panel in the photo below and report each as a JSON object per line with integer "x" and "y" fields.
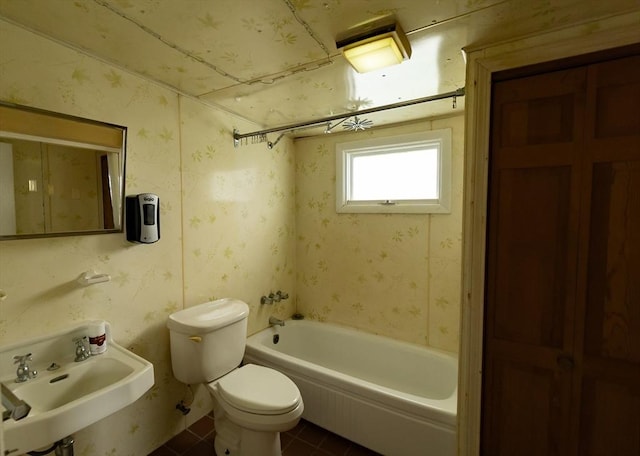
{"x": 609, "y": 388}
{"x": 561, "y": 371}
{"x": 613, "y": 285}
{"x": 532, "y": 228}
{"x": 531, "y": 275}
{"x": 532, "y": 423}
{"x": 610, "y": 413}
{"x": 614, "y": 93}
{"x": 544, "y": 120}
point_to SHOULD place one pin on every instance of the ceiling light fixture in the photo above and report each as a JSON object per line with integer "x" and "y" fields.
{"x": 375, "y": 45}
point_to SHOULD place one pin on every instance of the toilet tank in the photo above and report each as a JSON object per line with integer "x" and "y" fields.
{"x": 208, "y": 340}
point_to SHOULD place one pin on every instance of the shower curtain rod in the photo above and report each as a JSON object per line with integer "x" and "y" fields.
{"x": 261, "y": 134}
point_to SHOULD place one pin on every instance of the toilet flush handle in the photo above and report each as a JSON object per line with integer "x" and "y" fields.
{"x": 196, "y": 339}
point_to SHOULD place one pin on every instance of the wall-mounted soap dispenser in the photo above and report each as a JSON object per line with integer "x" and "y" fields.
{"x": 143, "y": 218}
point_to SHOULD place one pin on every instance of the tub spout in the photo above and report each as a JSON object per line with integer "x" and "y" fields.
{"x": 276, "y": 321}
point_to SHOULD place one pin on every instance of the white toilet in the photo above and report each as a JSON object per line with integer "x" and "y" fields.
{"x": 252, "y": 404}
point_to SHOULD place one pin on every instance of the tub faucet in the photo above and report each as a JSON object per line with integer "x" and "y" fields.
{"x": 276, "y": 321}
{"x": 274, "y": 297}
{"x": 24, "y": 372}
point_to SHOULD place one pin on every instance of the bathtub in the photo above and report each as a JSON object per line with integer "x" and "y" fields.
{"x": 395, "y": 398}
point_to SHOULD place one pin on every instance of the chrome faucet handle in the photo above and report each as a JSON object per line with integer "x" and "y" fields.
{"x": 81, "y": 350}
{"x": 282, "y": 295}
{"x": 24, "y": 372}
{"x": 22, "y": 359}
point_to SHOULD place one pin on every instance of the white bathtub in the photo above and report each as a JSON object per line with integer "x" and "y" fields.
{"x": 395, "y": 398}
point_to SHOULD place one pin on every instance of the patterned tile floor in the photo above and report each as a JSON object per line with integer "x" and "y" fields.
{"x": 305, "y": 439}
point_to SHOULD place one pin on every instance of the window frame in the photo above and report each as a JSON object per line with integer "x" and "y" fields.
{"x": 440, "y": 138}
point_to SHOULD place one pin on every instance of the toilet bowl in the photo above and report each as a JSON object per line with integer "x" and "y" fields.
{"x": 252, "y": 404}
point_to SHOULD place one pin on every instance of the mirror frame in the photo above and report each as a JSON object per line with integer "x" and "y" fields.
{"x": 24, "y": 124}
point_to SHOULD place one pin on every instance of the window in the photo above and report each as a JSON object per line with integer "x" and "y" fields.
{"x": 402, "y": 174}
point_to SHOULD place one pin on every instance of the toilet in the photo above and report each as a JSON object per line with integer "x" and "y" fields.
{"x": 251, "y": 404}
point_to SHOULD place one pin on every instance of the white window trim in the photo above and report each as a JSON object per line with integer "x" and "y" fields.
{"x": 442, "y": 205}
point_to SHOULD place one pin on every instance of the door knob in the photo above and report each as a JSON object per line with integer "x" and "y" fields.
{"x": 565, "y": 361}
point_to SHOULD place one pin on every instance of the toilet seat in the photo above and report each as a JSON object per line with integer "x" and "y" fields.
{"x": 260, "y": 390}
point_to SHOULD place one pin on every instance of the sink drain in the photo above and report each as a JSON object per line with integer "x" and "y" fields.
{"x": 58, "y": 378}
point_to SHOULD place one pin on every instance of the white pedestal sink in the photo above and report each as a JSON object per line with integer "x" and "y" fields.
{"x": 73, "y": 395}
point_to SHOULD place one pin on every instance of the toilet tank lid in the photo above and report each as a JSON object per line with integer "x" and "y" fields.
{"x": 209, "y": 316}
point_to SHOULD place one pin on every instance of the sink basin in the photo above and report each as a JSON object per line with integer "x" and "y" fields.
{"x": 74, "y": 395}
{"x": 71, "y": 383}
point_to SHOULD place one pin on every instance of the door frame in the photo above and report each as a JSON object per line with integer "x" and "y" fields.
{"x": 482, "y": 62}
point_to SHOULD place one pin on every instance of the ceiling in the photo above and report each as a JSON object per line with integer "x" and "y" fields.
{"x": 275, "y": 62}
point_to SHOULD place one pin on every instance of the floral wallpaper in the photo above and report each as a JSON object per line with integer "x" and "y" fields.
{"x": 227, "y": 229}
{"x": 276, "y": 61}
{"x": 395, "y": 275}
{"x": 237, "y": 214}
{"x": 239, "y": 222}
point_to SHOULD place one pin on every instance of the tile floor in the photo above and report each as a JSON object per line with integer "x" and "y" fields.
{"x": 305, "y": 439}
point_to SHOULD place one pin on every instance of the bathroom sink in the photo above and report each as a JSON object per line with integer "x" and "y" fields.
{"x": 66, "y": 396}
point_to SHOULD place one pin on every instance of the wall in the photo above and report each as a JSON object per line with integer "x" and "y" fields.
{"x": 396, "y": 275}
{"x": 238, "y": 218}
{"x": 227, "y": 226}
{"x": 229, "y": 220}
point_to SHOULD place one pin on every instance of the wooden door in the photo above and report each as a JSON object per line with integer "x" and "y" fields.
{"x": 537, "y": 137}
{"x": 562, "y": 316}
{"x": 607, "y": 391}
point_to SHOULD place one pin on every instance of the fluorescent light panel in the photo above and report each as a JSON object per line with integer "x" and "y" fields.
{"x": 377, "y": 48}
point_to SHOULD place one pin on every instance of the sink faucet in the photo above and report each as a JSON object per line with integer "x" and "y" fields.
{"x": 24, "y": 372}
{"x": 81, "y": 350}
{"x": 275, "y": 321}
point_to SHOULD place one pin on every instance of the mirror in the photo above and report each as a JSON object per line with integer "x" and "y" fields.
{"x": 59, "y": 175}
